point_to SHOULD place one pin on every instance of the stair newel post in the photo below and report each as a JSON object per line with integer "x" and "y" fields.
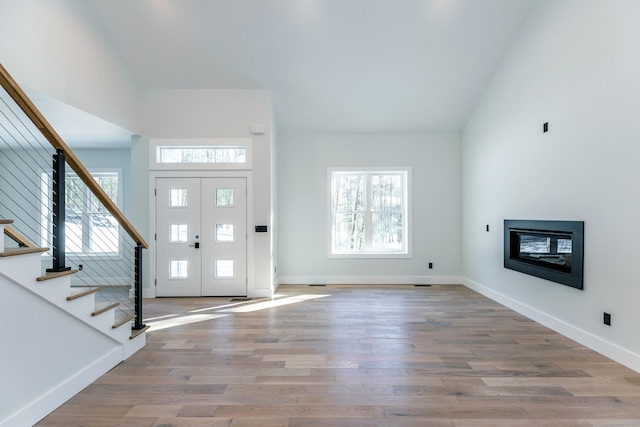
{"x": 137, "y": 324}
{"x": 58, "y": 199}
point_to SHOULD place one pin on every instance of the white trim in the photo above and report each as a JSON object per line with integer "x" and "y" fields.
{"x": 150, "y": 292}
{"x": 602, "y": 346}
{"x": 55, "y": 397}
{"x": 370, "y": 280}
{"x": 155, "y": 143}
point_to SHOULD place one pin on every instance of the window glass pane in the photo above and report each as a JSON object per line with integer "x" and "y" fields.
{"x": 103, "y": 237}
{"x": 348, "y": 233}
{"x": 386, "y": 192}
{"x": 74, "y": 194}
{"x": 387, "y": 231}
{"x": 179, "y": 269}
{"x": 178, "y": 197}
{"x": 224, "y": 268}
{"x": 348, "y": 193}
{"x": 72, "y": 235}
{"x": 224, "y": 232}
{"x": 224, "y": 196}
{"x": 103, "y": 228}
{"x": 74, "y": 197}
{"x": 235, "y": 154}
{"x": 179, "y": 233}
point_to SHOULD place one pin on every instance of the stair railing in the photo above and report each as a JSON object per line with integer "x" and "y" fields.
{"x": 35, "y": 197}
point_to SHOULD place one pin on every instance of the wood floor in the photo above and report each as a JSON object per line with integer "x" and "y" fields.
{"x": 394, "y": 356}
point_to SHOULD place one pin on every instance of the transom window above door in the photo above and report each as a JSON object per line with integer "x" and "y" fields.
{"x": 201, "y": 154}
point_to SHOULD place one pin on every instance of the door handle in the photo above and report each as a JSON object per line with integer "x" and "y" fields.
{"x": 196, "y": 245}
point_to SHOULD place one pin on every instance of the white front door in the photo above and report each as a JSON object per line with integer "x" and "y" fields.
{"x": 201, "y": 232}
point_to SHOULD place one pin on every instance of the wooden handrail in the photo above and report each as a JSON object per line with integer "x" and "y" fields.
{"x": 25, "y": 104}
{"x": 18, "y": 238}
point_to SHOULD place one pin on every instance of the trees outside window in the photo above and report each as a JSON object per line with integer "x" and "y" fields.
{"x": 369, "y": 212}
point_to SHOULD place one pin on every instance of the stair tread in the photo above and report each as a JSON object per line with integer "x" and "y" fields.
{"x": 102, "y": 307}
{"x": 80, "y": 292}
{"x": 6, "y": 221}
{"x": 53, "y": 275}
{"x": 121, "y": 320}
{"x": 21, "y": 251}
{"x": 135, "y": 333}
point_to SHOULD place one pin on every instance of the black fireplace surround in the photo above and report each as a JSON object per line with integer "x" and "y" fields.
{"x": 552, "y": 250}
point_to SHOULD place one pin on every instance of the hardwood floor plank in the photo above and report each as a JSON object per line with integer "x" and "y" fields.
{"x": 355, "y": 356}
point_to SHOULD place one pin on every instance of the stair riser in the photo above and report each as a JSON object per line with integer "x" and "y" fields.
{"x": 55, "y": 290}
{"x": 23, "y": 268}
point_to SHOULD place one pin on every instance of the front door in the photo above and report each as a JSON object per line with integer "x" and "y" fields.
{"x": 201, "y": 232}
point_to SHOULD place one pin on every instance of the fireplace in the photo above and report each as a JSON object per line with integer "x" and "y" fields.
{"x": 551, "y": 250}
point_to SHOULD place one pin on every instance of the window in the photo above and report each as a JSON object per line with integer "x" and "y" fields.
{"x": 201, "y": 154}
{"x": 89, "y": 227}
{"x": 369, "y": 212}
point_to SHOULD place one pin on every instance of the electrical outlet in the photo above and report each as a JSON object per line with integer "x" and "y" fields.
{"x": 607, "y": 319}
{"x": 79, "y": 267}
{"x": 430, "y": 265}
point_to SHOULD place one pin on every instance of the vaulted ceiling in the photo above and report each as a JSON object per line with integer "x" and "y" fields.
{"x": 331, "y": 65}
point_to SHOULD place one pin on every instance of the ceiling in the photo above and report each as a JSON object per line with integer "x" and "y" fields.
{"x": 332, "y": 66}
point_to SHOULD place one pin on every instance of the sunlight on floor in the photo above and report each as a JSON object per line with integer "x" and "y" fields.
{"x": 274, "y": 303}
{"x": 182, "y": 320}
{"x": 171, "y": 320}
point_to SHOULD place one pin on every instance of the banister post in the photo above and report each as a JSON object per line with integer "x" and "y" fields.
{"x": 137, "y": 323}
{"x": 58, "y": 199}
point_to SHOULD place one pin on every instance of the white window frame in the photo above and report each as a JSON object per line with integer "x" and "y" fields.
{"x": 406, "y": 251}
{"x": 45, "y": 204}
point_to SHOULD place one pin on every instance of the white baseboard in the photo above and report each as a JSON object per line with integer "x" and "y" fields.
{"x": 49, "y": 401}
{"x": 595, "y": 343}
{"x": 370, "y": 280}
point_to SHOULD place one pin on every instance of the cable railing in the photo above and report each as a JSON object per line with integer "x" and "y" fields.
{"x": 55, "y": 202}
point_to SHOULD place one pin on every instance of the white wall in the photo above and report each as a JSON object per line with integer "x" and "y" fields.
{"x": 436, "y": 233}
{"x": 575, "y": 65}
{"x": 213, "y": 114}
{"x": 54, "y": 47}
{"x": 49, "y": 358}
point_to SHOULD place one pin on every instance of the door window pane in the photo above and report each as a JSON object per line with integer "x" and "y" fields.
{"x": 179, "y": 233}
{"x": 179, "y": 269}
{"x": 224, "y": 196}
{"x": 224, "y": 268}
{"x": 224, "y": 232}
{"x": 178, "y": 197}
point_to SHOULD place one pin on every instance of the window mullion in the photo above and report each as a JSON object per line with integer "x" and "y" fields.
{"x": 367, "y": 212}
{"x": 86, "y": 219}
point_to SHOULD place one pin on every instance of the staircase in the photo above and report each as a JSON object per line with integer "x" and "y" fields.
{"x": 56, "y": 339}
